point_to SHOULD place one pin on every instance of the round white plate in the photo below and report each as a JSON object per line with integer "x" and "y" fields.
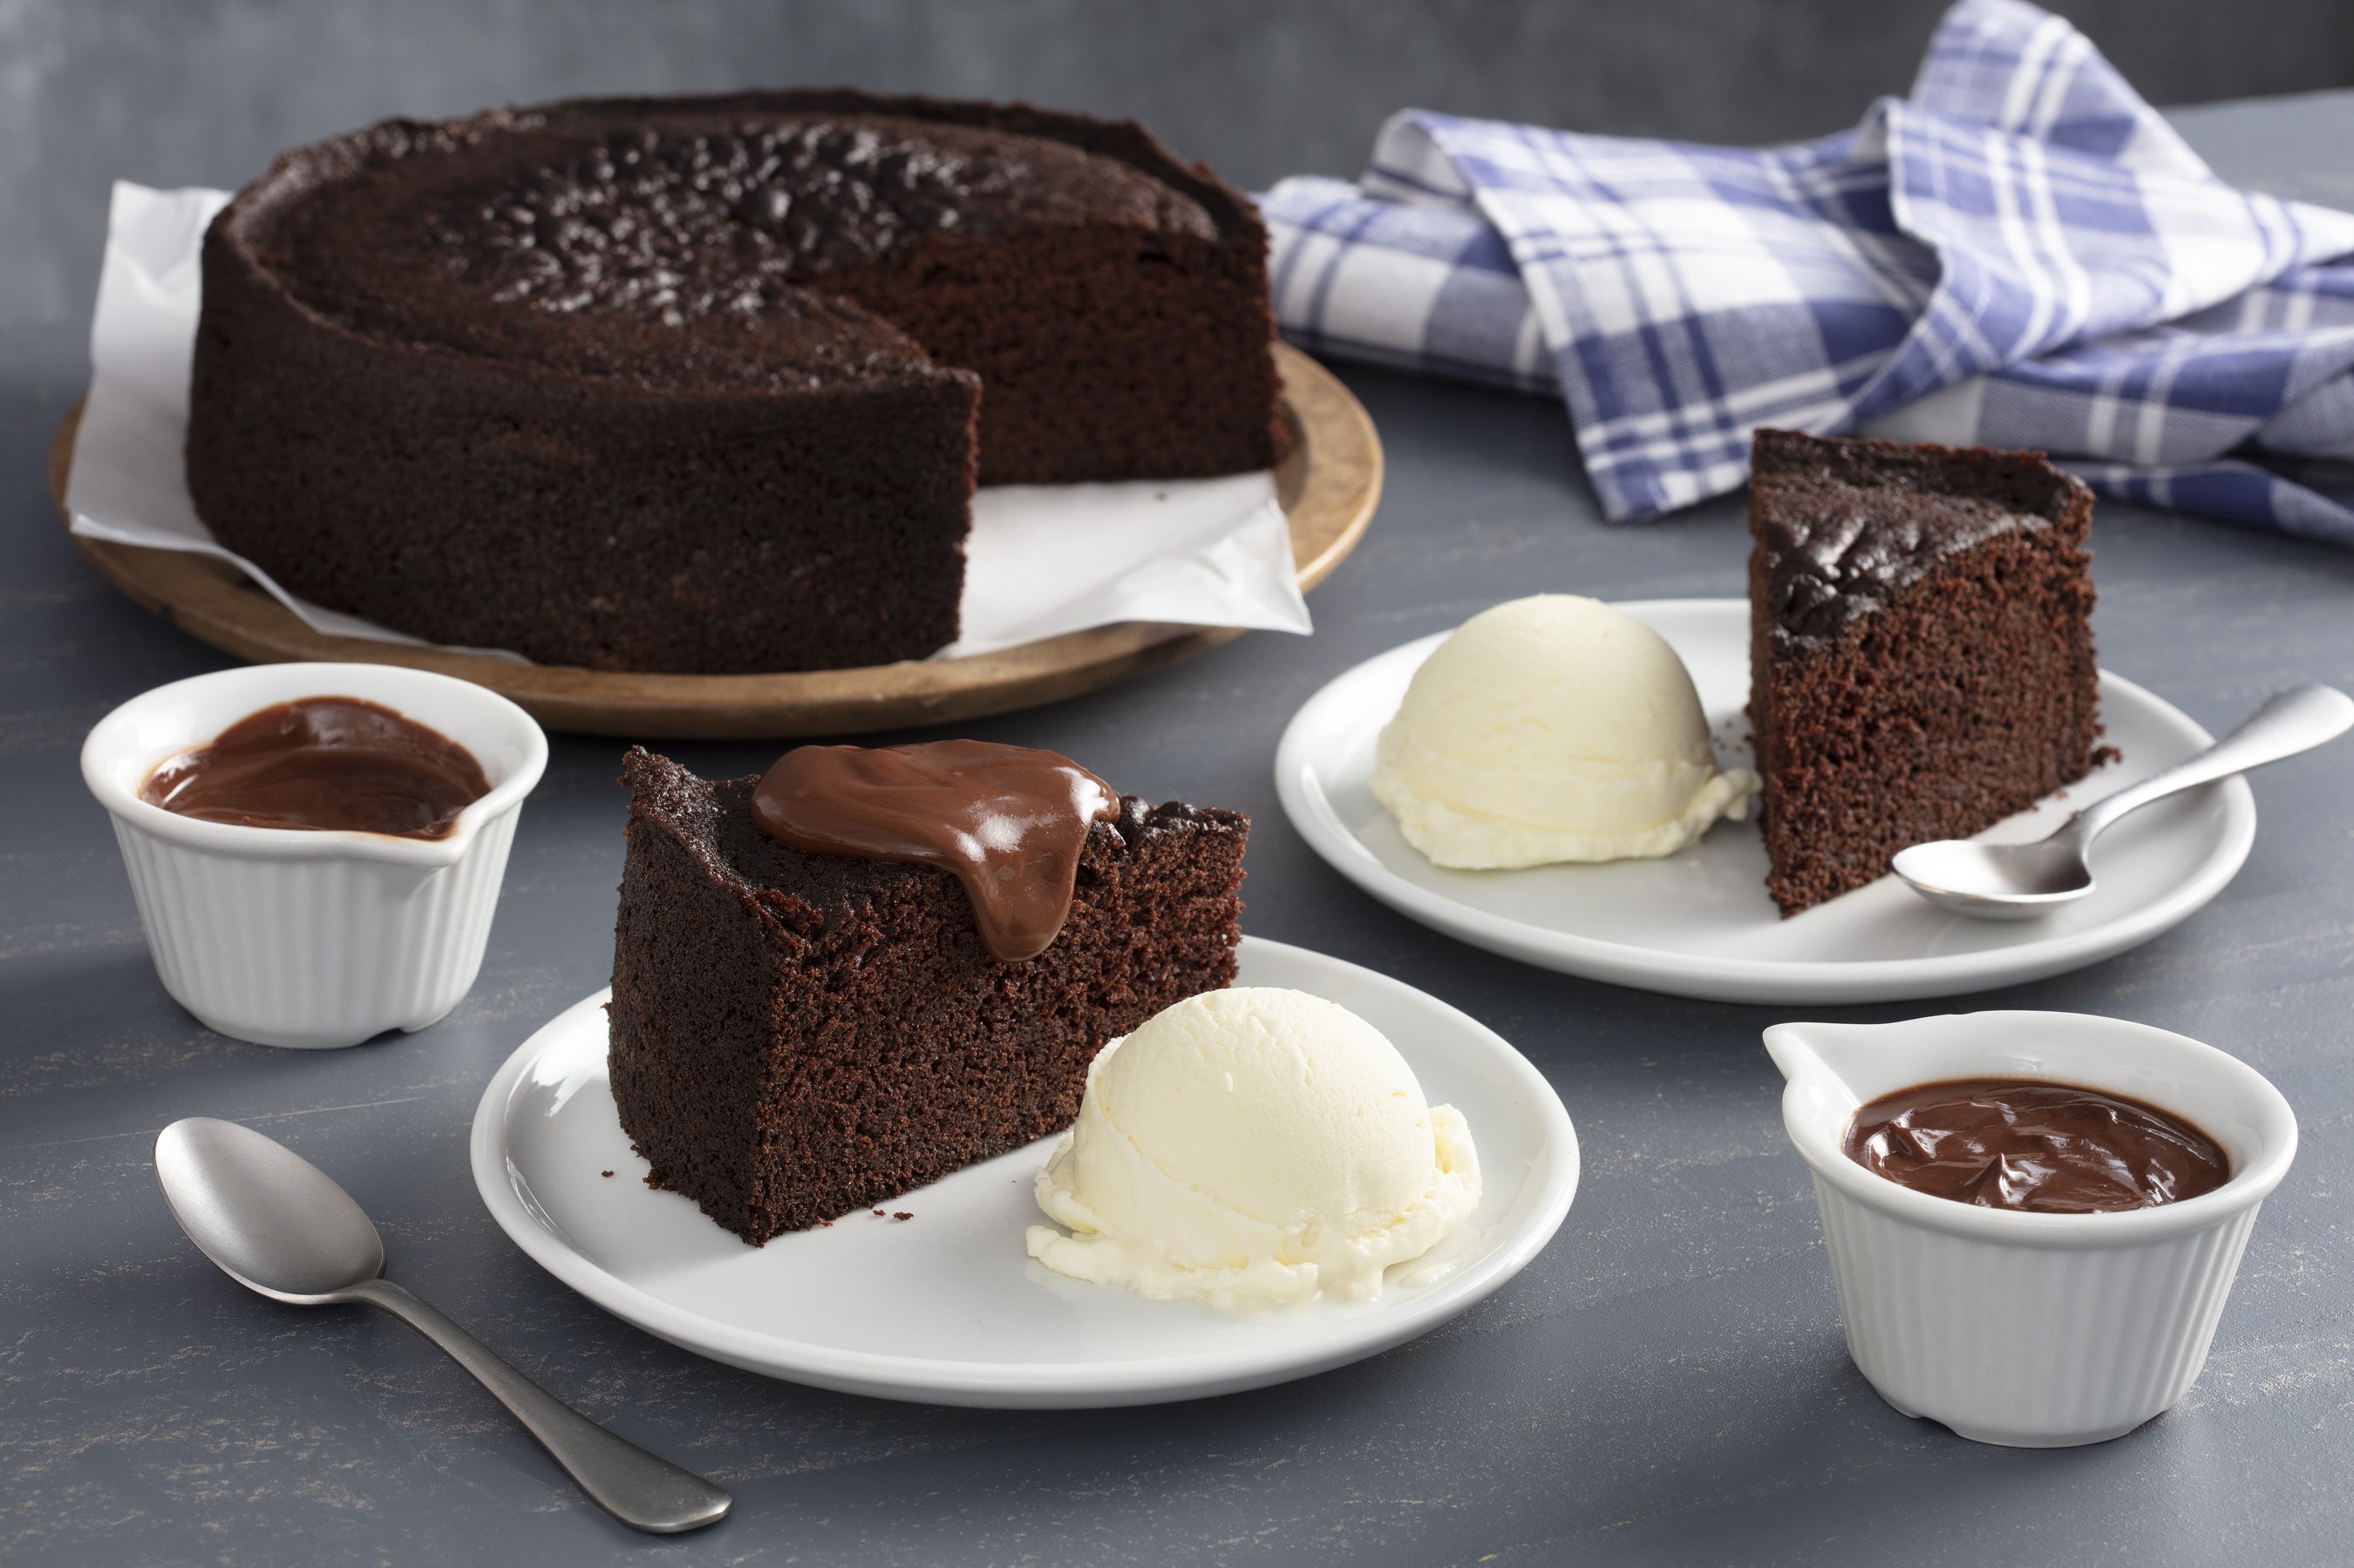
{"x": 1699, "y": 923}
{"x": 946, "y": 1307}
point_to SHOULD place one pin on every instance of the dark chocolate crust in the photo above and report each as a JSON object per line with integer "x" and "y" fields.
{"x": 1921, "y": 648}
{"x": 696, "y": 384}
{"x": 796, "y": 1037}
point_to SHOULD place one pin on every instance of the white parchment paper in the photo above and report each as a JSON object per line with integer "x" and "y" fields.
{"x": 1041, "y": 560}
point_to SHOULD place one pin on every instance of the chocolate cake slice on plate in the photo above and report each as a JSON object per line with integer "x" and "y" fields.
{"x": 1920, "y": 648}
{"x": 798, "y": 1035}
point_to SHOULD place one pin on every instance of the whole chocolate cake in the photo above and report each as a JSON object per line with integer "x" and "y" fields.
{"x": 799, "y": 1035}
{"x": 704, "y": 384}
{"x": 1921, "y": 648}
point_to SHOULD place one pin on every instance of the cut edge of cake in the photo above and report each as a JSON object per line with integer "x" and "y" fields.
{"x": 1921, "y": 654}
{"x": 788, "y": 1055}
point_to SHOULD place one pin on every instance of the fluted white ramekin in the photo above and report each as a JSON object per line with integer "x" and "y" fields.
{"x": 302, "y": 938}
{"x": 2030, "y": 1330}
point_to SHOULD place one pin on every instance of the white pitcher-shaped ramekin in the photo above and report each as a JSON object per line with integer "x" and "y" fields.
{"x": 292, "y": 938}
{"x": 2031, "y": 1330}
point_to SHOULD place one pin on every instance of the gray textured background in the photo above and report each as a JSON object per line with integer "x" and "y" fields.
{"x": 204, "y": 92}
{"x": 1666, "y": 1383}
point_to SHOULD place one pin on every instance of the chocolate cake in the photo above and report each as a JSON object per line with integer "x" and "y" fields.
{"x": 1921, "y": 648}
{"x": 704, "y": 384}
{"x": 798, "y": 1036}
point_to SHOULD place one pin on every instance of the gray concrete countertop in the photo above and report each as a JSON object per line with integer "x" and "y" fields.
{"x": 1666, "y": 1383}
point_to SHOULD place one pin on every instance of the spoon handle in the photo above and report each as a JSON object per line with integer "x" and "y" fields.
{"x": 2290, "y": 722}
{"x": 639, "y": 1490}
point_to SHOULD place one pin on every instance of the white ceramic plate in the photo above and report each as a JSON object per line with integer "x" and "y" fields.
{"x": 946, "y": 1307}
{"x": 1699, "y": 923}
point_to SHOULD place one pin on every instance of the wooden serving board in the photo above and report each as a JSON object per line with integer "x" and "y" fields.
{"x": 1329, "y": 486}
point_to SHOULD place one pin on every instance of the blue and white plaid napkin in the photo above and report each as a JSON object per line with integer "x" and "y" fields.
{"x": 2021, "y": 254}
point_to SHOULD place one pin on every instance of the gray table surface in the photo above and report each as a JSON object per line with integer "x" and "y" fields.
{"x": 1666, "y": 1383}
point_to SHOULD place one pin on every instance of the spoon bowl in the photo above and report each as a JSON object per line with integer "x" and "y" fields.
{"x": 276, "y": 1224}
{"x": 269, "y": 1218}
{"x": 1998, "y": 881}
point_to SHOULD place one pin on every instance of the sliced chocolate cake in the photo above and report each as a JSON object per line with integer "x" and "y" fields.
{"x": 703, "y": 385}
{"x": 1921, "y": 648}
{"x": 798, "y": 1035}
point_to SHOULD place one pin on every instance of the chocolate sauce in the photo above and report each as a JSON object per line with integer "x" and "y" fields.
{"x": 2033, "y": 1146}
{"x": 323, "y": 763}
{"x": 1008, "y": 821}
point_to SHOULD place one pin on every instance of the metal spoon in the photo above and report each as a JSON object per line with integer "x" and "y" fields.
{"x": 276, "y": 1224}
{"x": 2015, "y": 881}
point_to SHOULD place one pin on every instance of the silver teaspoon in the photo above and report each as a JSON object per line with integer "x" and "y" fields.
{"x": 276, "y": 1224}
{"x": 2015, "y": 881}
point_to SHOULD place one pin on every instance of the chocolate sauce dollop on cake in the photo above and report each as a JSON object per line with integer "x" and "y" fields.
{"x": 324, "y": 763}
{"x": 2035, "y": 1147}
{"x": 1008, "y": 821}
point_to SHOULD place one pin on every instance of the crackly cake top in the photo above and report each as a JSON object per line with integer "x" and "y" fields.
{"x": 1844, "y": 524}
{"x": 669, "y": 240}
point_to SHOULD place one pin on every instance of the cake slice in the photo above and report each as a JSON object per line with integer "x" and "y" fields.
{"x": 797, "y": 1036}
{"x": 1920, "y": 648}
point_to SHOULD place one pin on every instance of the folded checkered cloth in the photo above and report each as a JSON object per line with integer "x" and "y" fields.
{"x": 2021, "y": 254}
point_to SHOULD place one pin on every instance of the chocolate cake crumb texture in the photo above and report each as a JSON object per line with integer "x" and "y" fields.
{"x": 1921, "y": 650}
{"x": 796, "y": 1037}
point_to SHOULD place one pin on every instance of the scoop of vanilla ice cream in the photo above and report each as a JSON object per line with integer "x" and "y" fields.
{"x": 1552, "y": 728}
{"x": 1252, "y": 1148}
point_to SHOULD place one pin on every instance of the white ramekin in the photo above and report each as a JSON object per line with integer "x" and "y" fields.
{"x": 2030, "y": 1330}
{"x": 290, "y": 937}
